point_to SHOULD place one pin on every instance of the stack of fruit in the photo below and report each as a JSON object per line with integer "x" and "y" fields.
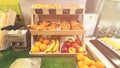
{"x": 72, "y": 46}
{"x": 46, "y": 45}
{"x": 85, "y": 62}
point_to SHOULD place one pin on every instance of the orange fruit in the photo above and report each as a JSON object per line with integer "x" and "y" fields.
{"x": 99, "y": 64}
{"x": 80, "y": 56}
{"x": 87, "y": 61}
{"x": 84, "y": 66}
{"x": 92, "y": 66}
{"x": 43, "y": 47}
{"x": 41, "y": 39}
{"x": 92, "y": 63}
{"x": 80, "y": 63}
{"x": 37, "y": 44}
{"x": 46, "y": 41}
{"x": 35, "y": 49}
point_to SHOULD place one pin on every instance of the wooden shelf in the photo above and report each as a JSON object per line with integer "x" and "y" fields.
{"x": 54, "y": 54}
{"x": 58, "y": 32}
{"x": 57, "y": 15}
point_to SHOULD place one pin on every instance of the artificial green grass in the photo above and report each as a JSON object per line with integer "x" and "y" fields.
{"x": 10, "y": 56}
{"x": 58, "y": 62}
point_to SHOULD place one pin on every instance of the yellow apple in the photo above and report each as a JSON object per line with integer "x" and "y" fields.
{"x": 80, "y": 50}
{"x": 72, "y": 50}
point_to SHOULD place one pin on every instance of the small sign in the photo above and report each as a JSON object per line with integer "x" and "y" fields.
{"x": 79, "y": 11}
{"x": 66, "y": 11}
{"x": 38, "y": 11}
{"x": 52, "y": 11}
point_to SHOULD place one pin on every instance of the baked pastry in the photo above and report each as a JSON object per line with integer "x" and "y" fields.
{"x": 33, "y": 26}
{"x": 52, "y": 26}
{"x": 65, "y": 25}
{"x": 75, "y": 25}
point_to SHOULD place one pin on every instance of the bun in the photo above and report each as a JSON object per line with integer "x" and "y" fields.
{"x": 75, "y": 25}
{"x": 65, "y": 25}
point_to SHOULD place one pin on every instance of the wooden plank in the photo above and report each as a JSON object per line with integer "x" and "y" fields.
{"x": 54, "y": 54}
{"x": 58, "y": 32}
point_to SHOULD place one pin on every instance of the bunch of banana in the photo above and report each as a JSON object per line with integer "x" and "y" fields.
{"x": 53, "y": 47}
{"x": 56, "y": 47}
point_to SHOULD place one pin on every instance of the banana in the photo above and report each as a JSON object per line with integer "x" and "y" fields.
{"x": 56, "y": 48}
{"x": 52, "y": 44}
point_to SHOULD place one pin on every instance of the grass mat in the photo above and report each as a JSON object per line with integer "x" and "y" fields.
{"x": 9, "y": 56}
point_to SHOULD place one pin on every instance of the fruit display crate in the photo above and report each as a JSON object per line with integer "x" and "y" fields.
{"x": 66, "y": 45}
{"x": 51, "y": 9}
{"x": 57, "y": 25}
{"x": 57, "y": 20}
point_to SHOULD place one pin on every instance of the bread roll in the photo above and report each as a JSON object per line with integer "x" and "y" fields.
{"x": 65, "y": 25}
{"x": 53, "y": 26}
{"x": 75, "y": 25}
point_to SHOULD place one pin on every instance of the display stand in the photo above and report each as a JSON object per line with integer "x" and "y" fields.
{"x": 55, "y": 14}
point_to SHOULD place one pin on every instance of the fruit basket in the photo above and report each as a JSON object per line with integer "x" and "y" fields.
{"x": 86, "y": 61}
{"x": 57, "y": 9}
{"x": 56, "y": 45}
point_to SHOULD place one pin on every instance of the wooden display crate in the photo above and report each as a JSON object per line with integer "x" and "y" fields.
{"x": 58, "y": 32}
{"x": 35, "y": 18}
{"x": 58, "y": 15}
{"x": 62, "y": 39}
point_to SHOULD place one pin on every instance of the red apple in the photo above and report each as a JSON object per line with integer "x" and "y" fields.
{"x": 64, "y": 49}
{"x": 66, "y": 43}
{"x": 74, "y": 44}
{"x": 72, "y": 49}
{"x": 78, "y": 41}
{"x": 80, "y": 50}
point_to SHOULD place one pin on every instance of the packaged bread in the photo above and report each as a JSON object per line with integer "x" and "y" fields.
{"x": 75, "y": 25}
{"x": 3, "y": 17}
{"x": 65, "y": 25}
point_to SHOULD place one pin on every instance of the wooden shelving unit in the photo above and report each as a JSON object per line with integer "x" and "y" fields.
{"x": 35, "y": 17}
